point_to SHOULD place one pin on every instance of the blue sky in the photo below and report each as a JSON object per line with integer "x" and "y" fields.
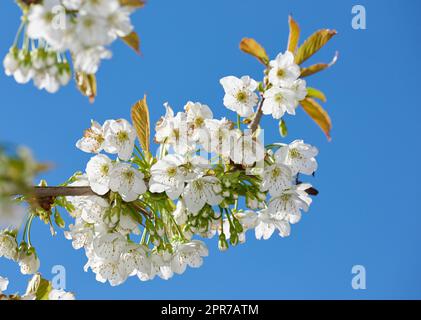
{"x": 366, "y": 213}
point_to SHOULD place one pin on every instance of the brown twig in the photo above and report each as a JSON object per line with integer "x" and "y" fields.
{"x": 43, "y": 192}
{"x": 255, "y": 123}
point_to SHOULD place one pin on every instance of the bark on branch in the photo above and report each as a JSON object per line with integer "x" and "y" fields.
{"x": 44, "y": 192}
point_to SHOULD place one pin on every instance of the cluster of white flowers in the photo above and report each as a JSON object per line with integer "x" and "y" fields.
{"x": 284, "y": 91}
{"x": 26, "y": 257}
{"x": 195, "y": 128}
{"x": 53, "y": 28}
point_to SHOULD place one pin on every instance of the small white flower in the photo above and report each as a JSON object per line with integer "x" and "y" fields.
{"x": 88, "y": 60}
{"x": 60, "y": 295}
{"x": 276, "y": 178}
{"x": 188, "y": 254}
{"x": 283, "y": 70}
{"x": 127, "y": 181}
{"x": 290, "y": 202}
{"x": 4, "y": 283}
{"x": 201, "y": 191}
{"x": 119, "y": 22}
{"x": 168, "y": 176}
{"x": 196, "y": 114}
{"x": 93, "y": 209}
{"x": 11, "y": 62}
{"x": 127, "y": 225}
{"x": 173, "y": 131}
{"x": 240, "y": 94}
{"x": 92, "y": 30}
{"x": 28, "y": 262}
{"x": 268, "y": 223}
{"x": 99, "y": 7}
{"x": 135, "y": 259}
{"x": 8, "y": 247}
{"x": 80, "y": 234}
{"x": 247, "y": 150}
{"x": 93, "y": 139}
{"x": 299, "y": 87}
{"x": 298, "y": 156}
{"x": 120, "y": 138}
{"x": 218, "y": 136}
{"x": 98, "y": 171}
{"x": 278, "y": 101}
{"x": 48, "y": 23}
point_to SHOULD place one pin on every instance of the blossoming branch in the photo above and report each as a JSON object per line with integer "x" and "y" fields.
{"x": 136, "y": 214}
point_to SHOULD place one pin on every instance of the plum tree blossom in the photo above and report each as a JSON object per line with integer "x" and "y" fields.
{"x": 140, "y": 214}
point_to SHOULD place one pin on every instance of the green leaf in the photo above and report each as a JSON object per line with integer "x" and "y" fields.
{"x": 87, "y": 85}
{"x": 252, "y": 47}
{"x": 313, "y": 44}
{"x": 58, "y": 219}
{"x": 133, "y": 41}
{"x": 315, "y": 93}
{"x": 318, "y": 114}
{"x": 305, "y": 72}
{"x": 294, "y": 35}
{"x": 283, "y": 130}
{"x": 141, "y": 122}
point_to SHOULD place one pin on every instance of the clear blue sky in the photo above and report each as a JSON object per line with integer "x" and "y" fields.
{"x": 367, "y": 211}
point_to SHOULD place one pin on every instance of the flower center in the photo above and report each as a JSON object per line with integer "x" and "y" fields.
{"x": 122, "y": 136}
{"x": 279, "y": 98}
{"x": 176, "y": 133}
{"x": 88, "y": 22}
{"x": 129, "y": 176}
{"x": 171, "y": 172}
{"x": 294, "y": 153}
{"x": 285, "y": 197}
{"x": 199, "y": 185}
{"x": 104, "y": 169}
{"x": 276, "y": 172}
{"x": 198, "y": 122}
{"x": 280, "y": 73}
{"x": 241, "y": 96}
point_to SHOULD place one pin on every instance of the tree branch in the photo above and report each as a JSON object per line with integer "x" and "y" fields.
{"x": 44, "y": 192}
{"x": 255, "y": 123}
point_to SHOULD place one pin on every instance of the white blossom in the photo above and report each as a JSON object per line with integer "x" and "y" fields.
{"x": 120, "y": 138}
{"x": 28, "y": 262}
{"x": 8, "y": 246}
{"x": 88, "y": 60}
{"x": 168, "y": 176}
{"x": 60, "y": 294}
{"x": 201, "y": 191}
{"x": 268, "y": 223}
{"x": 188, "y": 254}
{"x": 247, "y": 150}
{"x": 92, "y": 140}
{"x": 127, "y": 181}
{"x": 298, "y": 156}
{"x": 276, "y": 178}
{"x": 283, "y": 70}
{"x": 4, "y": 283}
{"x": 290, "y": 202}
{"x": 278, "y": 101}
{"x": 240, "y": 94}
{"x": 98, "y": 171}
